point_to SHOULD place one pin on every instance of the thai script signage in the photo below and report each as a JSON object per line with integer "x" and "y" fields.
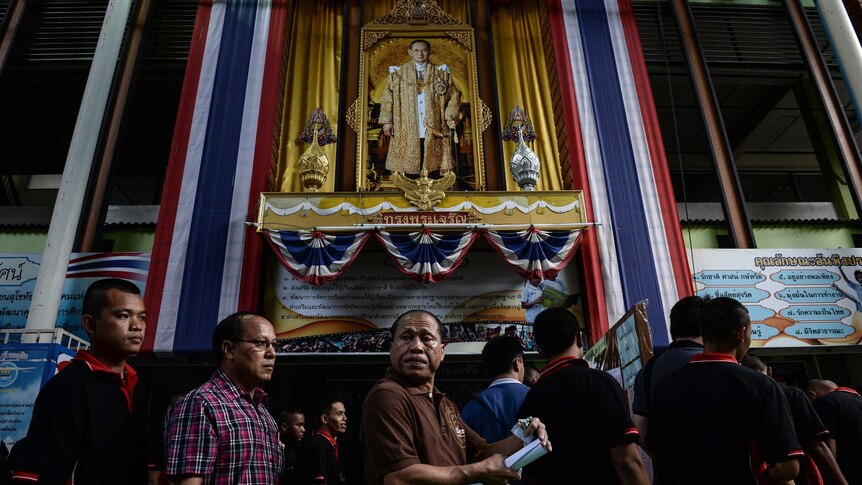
{"x": 795, "y": 297}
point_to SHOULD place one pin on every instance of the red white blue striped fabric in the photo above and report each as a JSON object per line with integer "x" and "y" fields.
{"x": 315, "y": 257}
{"x": 620, "y": 162}
{"x": 533, "y": 252}
{"x": 129, "y": 266}
{"x": 426, "y": 256}
{"x": 205, "y": 260}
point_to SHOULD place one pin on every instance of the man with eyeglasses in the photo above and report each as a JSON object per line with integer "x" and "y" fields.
{"x": 222, "y": 432}
{"x": 412, "y": 433}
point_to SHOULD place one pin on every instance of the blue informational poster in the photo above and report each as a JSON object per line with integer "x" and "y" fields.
{"x": 18, "y": 279}
{"x": 24, "y": 369}
{"x": 795, "y": 297}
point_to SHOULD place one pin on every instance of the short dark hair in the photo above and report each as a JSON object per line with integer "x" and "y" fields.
{"x": 722, "y": 317}
{"x": 555, "y": 330}
{"x": 499, "y": 352}
{"x": 323, "y": 407}
{"x": 231, "y": 329}
{"x": 753, "y": 362}
{"x": 408, "y": 313}
{"x": 288, "y": 411}
{"x": 685, "y": 317}
{"x": 857, "y": 272}
{"x": 423, "y": 41}
{"x": 96, "y": 296}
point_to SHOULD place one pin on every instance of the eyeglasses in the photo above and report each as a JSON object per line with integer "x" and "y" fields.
{"x": 259, "y": 344}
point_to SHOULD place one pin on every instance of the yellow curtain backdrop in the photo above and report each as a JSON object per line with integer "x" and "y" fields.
{"x": 522, "y": 80}
{"x": 313, "y": 69}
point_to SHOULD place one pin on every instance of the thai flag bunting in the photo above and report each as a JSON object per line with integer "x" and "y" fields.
{"x": 129, "y": 266}
{"x": 533, "y": 252}
{"x": 426, "y": 256}
{"x": 315, "y": 257}
{"x": 206, "y": 261}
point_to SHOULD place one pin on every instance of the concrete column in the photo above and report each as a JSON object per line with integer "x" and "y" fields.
{"x": 76, "y": 173}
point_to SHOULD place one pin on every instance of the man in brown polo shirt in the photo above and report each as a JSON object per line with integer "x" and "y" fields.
{"x": 411, "y": 433}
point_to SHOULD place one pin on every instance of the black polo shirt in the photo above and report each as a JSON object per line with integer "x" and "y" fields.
{"x": 705, "y": 417}
{"x": 678, "y": 354}
{"x": 809, "y": 429}
{"x": 841, "y": 412}
{"x": 87, "y": 421}
{"x": 585, "y": 415}
{"x": 321, "y": 459}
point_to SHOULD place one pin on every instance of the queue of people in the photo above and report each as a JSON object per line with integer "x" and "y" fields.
{"x": 700, "y": 416}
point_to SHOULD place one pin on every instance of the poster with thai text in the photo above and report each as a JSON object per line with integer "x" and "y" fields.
{"x": 795, "y": 297}
{"x": 18, "y": 279}
{"x": 353, "y": 313}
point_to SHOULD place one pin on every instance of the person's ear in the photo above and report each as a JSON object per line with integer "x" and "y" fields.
{"x": 89, "y": 324}
{"x": 518, "y": 364}
{"x": 227, "y": 349}
{"x": 324, "y": 418}
{"x": 740, "y": 334}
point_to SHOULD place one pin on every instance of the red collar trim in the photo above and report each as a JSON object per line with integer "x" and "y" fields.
{"x": 561, "y": 363}
{"x": 322, "y": 432}
{"x": 845, "y": 389}
{"x": 127, "y": 380}
{"x": 714, "y": 357}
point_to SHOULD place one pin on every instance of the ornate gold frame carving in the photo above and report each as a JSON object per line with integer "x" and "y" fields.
{"x": 352, "y": 110}
{"x": 411, "y": 12}
{"x": 398, "y": 27}
{"x": 463, "y": 38}
{"x": 486, "y": 117}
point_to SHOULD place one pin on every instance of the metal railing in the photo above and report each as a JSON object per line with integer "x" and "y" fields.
{"x": 43, "y": 336}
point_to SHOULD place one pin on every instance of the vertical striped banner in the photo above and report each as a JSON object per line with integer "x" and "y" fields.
{"x": 205, "y": 261}
{"x": 621, "y": 161}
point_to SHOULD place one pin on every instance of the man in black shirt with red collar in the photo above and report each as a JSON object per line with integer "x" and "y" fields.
{"x": 709, "y": 417}
{"x": 584, "y": 410}
{"x": 819, "y": 466}
{"x": 322, "y": 462}
{"x": 840, "y": 408}
{"x": 685, "y": 332}
{"x": 89, "y": 421}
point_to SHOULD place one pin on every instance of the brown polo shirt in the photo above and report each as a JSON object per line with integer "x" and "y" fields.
{"x": 403, "y": 426}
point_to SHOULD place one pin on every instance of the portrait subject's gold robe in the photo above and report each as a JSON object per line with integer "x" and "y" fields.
{"x": 398, "y": 107}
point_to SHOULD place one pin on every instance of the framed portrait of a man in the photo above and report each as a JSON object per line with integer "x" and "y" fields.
{"x": 420, "y": 109}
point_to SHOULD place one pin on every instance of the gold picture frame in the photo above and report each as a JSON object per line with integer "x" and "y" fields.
{"x": 385, "y": 42}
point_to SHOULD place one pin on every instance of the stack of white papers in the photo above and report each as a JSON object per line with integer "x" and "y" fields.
{"x": 526, "y": 455}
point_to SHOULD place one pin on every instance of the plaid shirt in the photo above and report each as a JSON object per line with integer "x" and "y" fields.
{"x": 221, "y": 433}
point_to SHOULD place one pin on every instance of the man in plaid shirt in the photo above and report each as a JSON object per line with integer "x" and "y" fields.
{"x": 222, "y": 432}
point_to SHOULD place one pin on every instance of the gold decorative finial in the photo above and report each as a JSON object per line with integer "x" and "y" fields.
{"x": 313, "y": 164}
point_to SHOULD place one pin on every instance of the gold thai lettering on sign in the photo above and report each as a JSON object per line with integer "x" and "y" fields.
{"x": 428, "y": 217}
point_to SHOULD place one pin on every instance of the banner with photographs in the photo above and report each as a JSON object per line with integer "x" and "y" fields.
{"x": 352, "y": 314}
{"x": 795, "y": 297}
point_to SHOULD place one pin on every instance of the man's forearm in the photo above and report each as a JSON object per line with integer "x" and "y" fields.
{"x": 504, "y": 447}
{"x": 826, "y": 464}
{"x": 422, "y": 474}
{"x": 628, "y": 464}
{"x": 491, "y": 470}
